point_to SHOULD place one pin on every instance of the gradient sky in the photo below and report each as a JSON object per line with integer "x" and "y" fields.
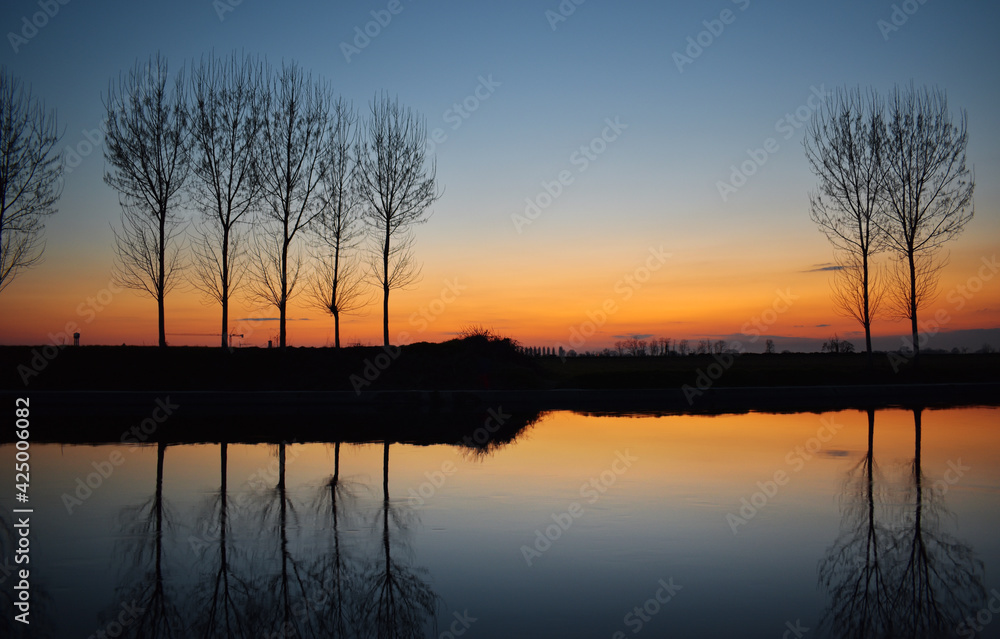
{"x": 554, "y": 87}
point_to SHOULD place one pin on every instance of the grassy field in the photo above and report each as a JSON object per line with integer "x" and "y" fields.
{"x": 789, "y": 369}
{"x": 468, "y": 364}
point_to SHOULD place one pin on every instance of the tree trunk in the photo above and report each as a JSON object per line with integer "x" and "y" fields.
{"x": 867, "y": 309}
{"x": 283, "y": 297}
{"x": 161, "y": 284}
{"x": 385, "y": 287}
{"x": 225, "y": 287}
{"x": 336, "y": 329}
{"x": 913, "y": 306}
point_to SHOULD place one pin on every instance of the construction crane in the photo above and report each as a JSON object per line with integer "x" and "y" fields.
{"x": 230, "y": 340}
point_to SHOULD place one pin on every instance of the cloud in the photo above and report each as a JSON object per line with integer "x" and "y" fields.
{"x": 272, "y": 319}
{"x": 643, "y": 336}
{"x": 822, "y": 268}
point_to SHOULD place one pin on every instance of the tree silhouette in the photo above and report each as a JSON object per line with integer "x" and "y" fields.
{"x": 227, "y": 116}
{"x": 281, "y": 605}
{"x": 929, "y": 187}
{"x": 223, "y": 597}
{"x": 292, "y": 168}
{"x": 335, "y": 570}
{"x": 147, "y": 148}
{"x": 397, "y": 602}
{"x": 855, "y": 566}
{"x": 397, "y": 184}
{"x": 844, "y": 145}
{"x": 30, "y": 175}
{"x": 160, "y": 612}
{"x": 936, "y": 577}
{"x": 338, "y": 283}
{"x": 893, "y": 571}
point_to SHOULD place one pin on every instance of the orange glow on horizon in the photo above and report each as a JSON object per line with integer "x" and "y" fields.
{"x": 685, "y": 297}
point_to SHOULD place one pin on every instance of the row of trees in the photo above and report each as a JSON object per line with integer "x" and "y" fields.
{"x": 892, "y": 178}
{"x": 267, "y": 157}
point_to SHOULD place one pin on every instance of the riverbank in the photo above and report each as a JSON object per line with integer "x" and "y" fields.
{"x": 469, "y": 364}
{"x": 483, "y": 417}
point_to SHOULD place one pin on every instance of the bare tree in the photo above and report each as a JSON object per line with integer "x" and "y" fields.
{"x": 844, "y": 145}
{"x": 858, "y": 292}
{"x": 397, "y": 183}
{"x": 148, "y": 149}
{"x": 226, "y": 120}
{"x": 837, "y": 345}
{"x": 147, "y": 253}
{"x": 929, "y": 194}
{"x": 30, "y": 172}
{"x": 338, "y": 282}
{"x": 910, "y": 288}
{"x": 293, "y": 166}
{"x": 682, "y": 347}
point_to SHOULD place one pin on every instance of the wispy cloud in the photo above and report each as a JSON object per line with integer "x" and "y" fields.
{"x": 272, "y": 319}
{"x": 822, "y": 268}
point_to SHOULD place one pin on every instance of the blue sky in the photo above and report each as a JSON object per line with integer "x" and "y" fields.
{"x": 552, "y": 91}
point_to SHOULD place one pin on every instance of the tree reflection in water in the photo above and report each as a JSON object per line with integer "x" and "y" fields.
{"x": 221, "y": 594}
{"x": 894, "y": 571}
{"x": 335, "y": 570}
{"x": 160, "y": 612}
{"x": 396, "y": 601}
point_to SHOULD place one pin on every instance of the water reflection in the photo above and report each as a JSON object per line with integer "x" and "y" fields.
{"x": 327, "y": 540}
{"x": 895, "y": 571}
{"x": 396, "y": 601}
{"x": 158, "y": 610}
{"x": 222, "y": 593}
{"x": 336, "y": 568}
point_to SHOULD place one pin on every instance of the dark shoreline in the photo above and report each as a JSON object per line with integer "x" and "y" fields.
{"x": 426, "y": 417}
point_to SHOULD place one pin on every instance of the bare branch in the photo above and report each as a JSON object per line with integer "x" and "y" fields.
{"x": 147, "y": 148}
{"x": 398, "y": 185}
{"x": 227, "y": 118}
{"x": 30, "y": 175}
{"x": 293, "y": 167}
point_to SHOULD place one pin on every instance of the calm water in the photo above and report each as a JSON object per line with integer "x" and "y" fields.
{"x": 749, "y": 525}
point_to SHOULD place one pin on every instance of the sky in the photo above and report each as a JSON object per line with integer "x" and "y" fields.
{"x": 580, "y": 149}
